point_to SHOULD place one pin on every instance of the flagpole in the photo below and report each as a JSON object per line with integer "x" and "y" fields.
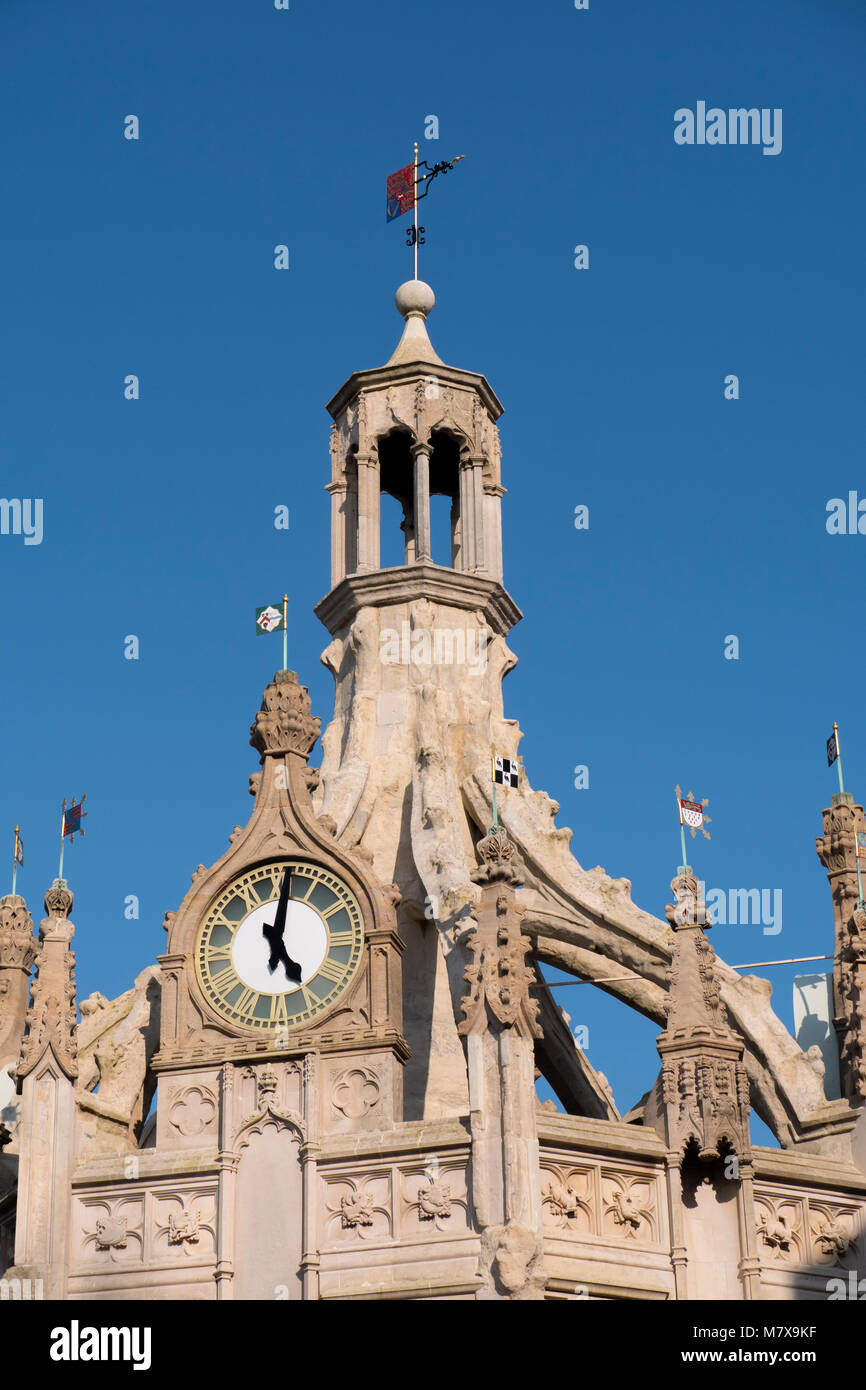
{"x": 859, "y": 880}
{"x": 415, "y": 200}
{"x": 493, "y": 784}
{"x": 62, "y": 832}
{"x": 285, "y": 632}
{"x": 15, "y": 860}
{"x": 838, "y": 756}
{"x": 682, "y": 830}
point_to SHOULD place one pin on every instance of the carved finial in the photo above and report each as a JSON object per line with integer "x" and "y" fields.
{"x": 284, "y": 723}
{"x": 704, "y": 1089}
{"x": 18, "y": 946}
{"x": 499, "y": 860}
{"x": 51, "y": 1020}
{"x": 59, "y": 899}
{"x": 689, "y": 908}
{"x": 499, "y": 979}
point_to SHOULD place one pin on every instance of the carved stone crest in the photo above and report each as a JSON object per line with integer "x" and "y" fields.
{"x": 356, "y": 1209}
{"x": 111, "y": 1232}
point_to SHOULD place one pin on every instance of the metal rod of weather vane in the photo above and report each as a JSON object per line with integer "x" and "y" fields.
{"x": 682, "y": 831}
{"x": 285, "y": 632}
{"x": 838, "y": 756}
{"x": 62, "y": 834}
{"x": 415, "y": 200}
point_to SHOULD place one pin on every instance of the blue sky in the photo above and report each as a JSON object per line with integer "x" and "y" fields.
{"x": 707, "y": 516}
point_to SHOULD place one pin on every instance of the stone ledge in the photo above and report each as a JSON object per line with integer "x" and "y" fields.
{"x": 808, "y": 1170}
{"x": 402, "y": 372}
{"x": 409, "y": 1288}
{"x": 409, "y": 1138}
{"x": 611, "y": 1137}
{"x": 405, "y": 583}
{"x": 152, "y": 1164}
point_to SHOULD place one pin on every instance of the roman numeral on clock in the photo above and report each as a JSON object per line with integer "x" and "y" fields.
{"x": 223, "y": 980}
{"x": 332, "y": 970}
{"x": 247, "y": 1002}
{"x": 341, "y": 938}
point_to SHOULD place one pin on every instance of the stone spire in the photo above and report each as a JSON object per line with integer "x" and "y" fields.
{"x": 18, "y": 950}
{"x": 836, "y": 849}
{"x": 705, "y": 1088}
{"x": 500, "y": 1028}
{"x": 46, "y": 1079}
{"x": 415, "y": 300}
{"x": 51, "y": 1019}
{"x": 498, "y": 976}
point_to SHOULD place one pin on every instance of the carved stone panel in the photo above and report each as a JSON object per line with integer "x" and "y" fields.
{"x": 629, "y": 1208}
{"x": 184, "y": 1225}
{"x": 357, "y": 1094}
{"x": 110, "y": 1231}
{"x": 597, "y": 1201}
{"x": 188, "y": 1110}
{"x": 781, "y": 1228}
{"x": 358, "y": 1208}
{"x": 434, "y": 1200}
{"x": 808, "y": 1229}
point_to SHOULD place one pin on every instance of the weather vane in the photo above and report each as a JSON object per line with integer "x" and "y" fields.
{"x": 402, "y": 195}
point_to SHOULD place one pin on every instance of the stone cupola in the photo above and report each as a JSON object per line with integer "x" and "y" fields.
{"x": 415, "y": 428}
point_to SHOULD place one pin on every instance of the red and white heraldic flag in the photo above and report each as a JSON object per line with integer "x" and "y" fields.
{"x": 400, "y": 192}
{"x": 692, "y": 813}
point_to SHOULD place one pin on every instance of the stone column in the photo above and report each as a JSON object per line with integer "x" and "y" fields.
{"x": 18, "y": 950}
{"x": 368, "y": 511}
{"x": 421, "y": 455}
{"x": 227, "y": 1184}
{"x": 339, "y": 492}
{"x": 478, "y": 513}
{"x": 836, "y": 849}
{"x": 46, "y": 1074}
{"x": 467, "y": 515}
{"x": 492, "y": 502}
{"x": 500, "y": 1030}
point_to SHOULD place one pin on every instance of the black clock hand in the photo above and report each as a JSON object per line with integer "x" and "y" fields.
{"x": 273, "y": 934}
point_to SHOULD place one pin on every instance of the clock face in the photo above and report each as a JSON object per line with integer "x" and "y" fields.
{"x": 275, "y": 952}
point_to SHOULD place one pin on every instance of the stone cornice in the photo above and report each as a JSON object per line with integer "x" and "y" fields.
{"x": 405, "y": 583}
{"x": 383, "y": 377}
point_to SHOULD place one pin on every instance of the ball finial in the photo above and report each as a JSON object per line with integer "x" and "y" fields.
{"x": 414, "y": 297}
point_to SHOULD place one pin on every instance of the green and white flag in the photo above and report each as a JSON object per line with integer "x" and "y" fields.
{"x": 269, "y": 619}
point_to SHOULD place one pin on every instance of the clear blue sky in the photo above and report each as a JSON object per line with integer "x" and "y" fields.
{"x": 707, "y": 516}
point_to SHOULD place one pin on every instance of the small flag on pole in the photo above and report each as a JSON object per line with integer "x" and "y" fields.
{"x": 71, "y": 820}
{"x": 693, "y": 813}
{"x": 17, "y": 857}
{"x": 861, "y": 845}
{"x": 400, "y": 192}
{"x": 269, "y": 619}
{"x": 506, "y": 772}
{"x": 833, "y": 746}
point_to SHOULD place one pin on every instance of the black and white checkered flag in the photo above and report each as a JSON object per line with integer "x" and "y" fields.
{"x": 506, "y": 772}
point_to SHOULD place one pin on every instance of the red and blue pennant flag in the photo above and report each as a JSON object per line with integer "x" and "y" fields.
{"x": 72, "y": 818}
{"x": 400, "y": 193}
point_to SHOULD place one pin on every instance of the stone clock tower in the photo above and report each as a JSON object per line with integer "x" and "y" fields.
{"x": 326, "y": 1088}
